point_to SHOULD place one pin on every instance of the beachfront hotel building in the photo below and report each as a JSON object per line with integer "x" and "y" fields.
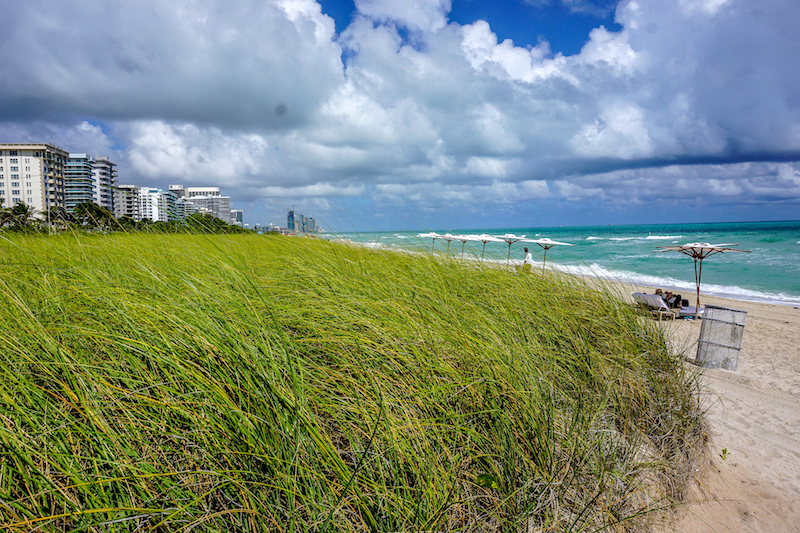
{"x": 126, "y": 202}
{"x": 217, "y": 206}
{"x": 204, "y": 200}
{"x": 78, "y": 181}
{"x": 32, "y": 174}
{"x": 156, "y": 205}
{"x": 105, "y": 177}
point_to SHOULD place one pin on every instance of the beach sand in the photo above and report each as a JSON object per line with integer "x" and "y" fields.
{"x": 753, "y": 413}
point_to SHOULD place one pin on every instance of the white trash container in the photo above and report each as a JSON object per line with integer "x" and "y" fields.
{"x": 720, "y": 337}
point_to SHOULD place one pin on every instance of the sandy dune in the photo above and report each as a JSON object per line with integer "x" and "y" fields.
{"x": 753, "y": 413}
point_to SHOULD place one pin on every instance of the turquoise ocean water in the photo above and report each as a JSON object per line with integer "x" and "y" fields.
{"x": 770, "y": 273}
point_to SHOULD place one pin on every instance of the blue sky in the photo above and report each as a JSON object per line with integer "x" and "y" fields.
{"x": 525, "y": 23}
{"x": 425, "y": 114}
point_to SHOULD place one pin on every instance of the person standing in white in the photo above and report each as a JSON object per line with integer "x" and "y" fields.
{"x": 528, "y": 262}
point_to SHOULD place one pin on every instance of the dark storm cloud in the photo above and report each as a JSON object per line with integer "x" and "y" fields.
{"x": 192, "y": 61}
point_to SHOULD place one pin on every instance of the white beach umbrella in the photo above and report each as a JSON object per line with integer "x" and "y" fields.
{"x": 510, "y": 238}
{"x": 699, "y": 251}
{"x": 449, "y": 238}
{"x": 484, "y": 238}
{"x": 546, "y": 243}
{"x": 463, "y": 239}
{"x": 432, "y": 235}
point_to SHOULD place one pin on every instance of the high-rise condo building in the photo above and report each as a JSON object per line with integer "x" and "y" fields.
{"x": 157, "y": 205}
{"x": 32, "y": 174}
{"x": 204, "y": 200}
{"x": 126, "y": 202}
{"x": 217, "y": 206}
{"x": 105, "y": 174}
{"x": 78, "y": 181}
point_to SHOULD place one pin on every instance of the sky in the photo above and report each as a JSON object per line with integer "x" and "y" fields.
{"x": 424, "y": 114}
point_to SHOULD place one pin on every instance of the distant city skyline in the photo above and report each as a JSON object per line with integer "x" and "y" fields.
{"x": 425, "y": 114}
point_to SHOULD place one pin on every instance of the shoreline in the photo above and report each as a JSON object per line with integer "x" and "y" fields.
{"x": 689, "y": 293}
{"x": 733, "y": 292}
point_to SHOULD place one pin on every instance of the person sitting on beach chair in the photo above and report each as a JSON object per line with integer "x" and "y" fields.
{"x": 673, "y": 300}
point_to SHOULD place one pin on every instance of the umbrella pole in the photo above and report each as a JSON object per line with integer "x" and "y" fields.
{"x": 433, "y": 243}
{"x": 484, "y": 251}
{"x": 697, "y": 274}
{"x": 544, "y": 260}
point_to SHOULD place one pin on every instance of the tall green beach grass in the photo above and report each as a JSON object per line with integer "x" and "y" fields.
{"x": 253, "y": 383}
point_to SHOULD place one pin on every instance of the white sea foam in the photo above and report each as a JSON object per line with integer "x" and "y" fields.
{"x": 662, "y": 237}
{"x": 686, "y": 288}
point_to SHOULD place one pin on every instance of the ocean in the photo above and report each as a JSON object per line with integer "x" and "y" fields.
{"x": 770, "y": 273}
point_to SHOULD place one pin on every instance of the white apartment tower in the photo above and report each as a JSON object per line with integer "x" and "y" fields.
{"x": 157, "y": 205}
{"x": 204, "y": 200}
{"x": 105, "y": 174}
{"x": 152, "y": 204}
{"x": 32, "y": 174}
{"x": 192, "y": 192}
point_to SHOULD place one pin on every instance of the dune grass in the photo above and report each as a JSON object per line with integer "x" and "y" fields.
{"x": 251, "y": 383}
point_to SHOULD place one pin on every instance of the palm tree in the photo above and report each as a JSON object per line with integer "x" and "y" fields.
{"x": 22, "y": 216}
{"x": 59, "y": 216}
{"x": 5, "y": 215}
{"x": 91, "y": 215}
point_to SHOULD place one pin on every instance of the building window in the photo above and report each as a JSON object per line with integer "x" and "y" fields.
{"x": 15, "y": 184}
{"x": 12, "y": 152}
{"x": 13, "y": 160}
{"x": 27, "y": 159}
{"x": 16, "y": 200}
{"x": 14, "y": 169}
{"x": 14, "y": 176}
{"x": 29, "y": 192}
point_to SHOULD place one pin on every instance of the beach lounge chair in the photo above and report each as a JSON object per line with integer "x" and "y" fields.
{"x": 654, "y": 304}
{"x": 688, "y": 312}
